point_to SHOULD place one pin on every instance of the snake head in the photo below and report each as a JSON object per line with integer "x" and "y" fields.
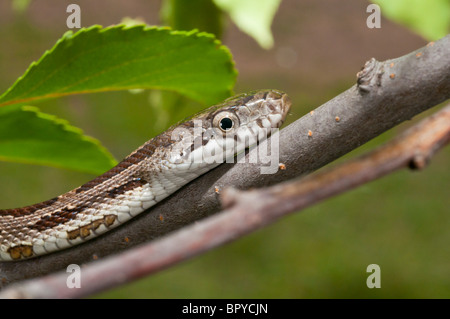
{"x": 226, "y": 129}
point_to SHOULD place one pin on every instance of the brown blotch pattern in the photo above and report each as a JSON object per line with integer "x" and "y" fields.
{"x": 145, "y": 151}
{"x": 57, "y": 218}
{"x": 67, "y": 213}
{"x": 102, "y": 178}
{"x": 138, "y": 182}
{"x": 85, "y": 231}
{"x": 20, "y": 251}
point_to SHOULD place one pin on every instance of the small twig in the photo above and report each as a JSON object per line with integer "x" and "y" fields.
{"x": 248, "y": 211}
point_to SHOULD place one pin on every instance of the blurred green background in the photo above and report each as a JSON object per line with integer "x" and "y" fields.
{"x": 400, "y": 222}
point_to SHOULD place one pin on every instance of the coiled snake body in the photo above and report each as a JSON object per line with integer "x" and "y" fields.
{"x": 151, "y": 173}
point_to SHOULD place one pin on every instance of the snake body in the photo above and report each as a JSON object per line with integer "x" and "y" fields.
{"x": 148, "y": 175}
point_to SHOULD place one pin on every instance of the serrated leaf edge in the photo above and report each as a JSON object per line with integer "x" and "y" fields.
{"x": 66, "y": 126}
{"x": 100, "y": 29}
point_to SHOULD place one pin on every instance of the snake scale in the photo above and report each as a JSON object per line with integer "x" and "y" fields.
{"x": 148, "y": 175}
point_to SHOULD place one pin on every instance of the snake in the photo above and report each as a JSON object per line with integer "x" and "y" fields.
{"x": 155, "y": 170}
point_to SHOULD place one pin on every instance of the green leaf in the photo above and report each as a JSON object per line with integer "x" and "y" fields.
{"x": 193, "y": 14}
{"x": 30, "y": 136}
{"x": 430, "y": 18}
{"x": 121, "y": 58}
{"x": 20, "y": 5}
{"x": 253, "y": 17}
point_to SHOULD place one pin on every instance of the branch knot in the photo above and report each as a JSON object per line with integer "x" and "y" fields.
{"x": 370, "y": 75}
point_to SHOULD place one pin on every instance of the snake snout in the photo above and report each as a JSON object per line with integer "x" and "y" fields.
{"x": 285, "y": 105}
{"x": 279, "y": 103}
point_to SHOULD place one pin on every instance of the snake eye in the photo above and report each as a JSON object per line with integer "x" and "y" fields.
{"x": 226, "y": 124}
{"x": 226, "y": 121}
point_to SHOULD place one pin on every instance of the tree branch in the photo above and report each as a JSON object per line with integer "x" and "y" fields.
{"x": 387, "y": 94}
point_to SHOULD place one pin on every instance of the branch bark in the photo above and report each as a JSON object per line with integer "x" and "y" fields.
{"x": 386, "y": 94}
